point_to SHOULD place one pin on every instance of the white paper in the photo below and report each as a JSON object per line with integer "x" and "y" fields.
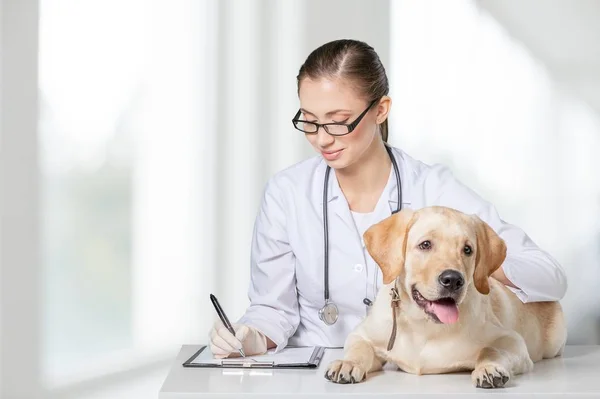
{"x": 284, "y": 356}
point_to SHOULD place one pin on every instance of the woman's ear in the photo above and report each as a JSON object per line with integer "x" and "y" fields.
{"x": 386, "y": 243}
{"x": 383, "y": 109}
{"x": 490, "y": 254}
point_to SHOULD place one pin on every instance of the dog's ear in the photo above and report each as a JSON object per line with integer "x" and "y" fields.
{"x": 386, "y": 243}
{"x": 491, "y": 252}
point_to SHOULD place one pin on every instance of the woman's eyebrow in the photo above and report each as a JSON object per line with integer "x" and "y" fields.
{"x": 330, "y": 113}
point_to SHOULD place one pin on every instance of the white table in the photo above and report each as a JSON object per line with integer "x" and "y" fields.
{"x": 575, "y": 374}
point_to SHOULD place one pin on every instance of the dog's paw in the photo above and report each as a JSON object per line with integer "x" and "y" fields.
{"x": 490, "y": 376}
{"x": 344, "y": 372}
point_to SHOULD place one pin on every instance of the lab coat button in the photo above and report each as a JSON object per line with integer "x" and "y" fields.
{"x": 358, "y": 268}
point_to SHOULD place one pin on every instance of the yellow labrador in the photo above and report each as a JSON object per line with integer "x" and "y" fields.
{"x": 439, "y": 311}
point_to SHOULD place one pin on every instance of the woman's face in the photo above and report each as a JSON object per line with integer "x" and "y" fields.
{"x": 328, "y": 101}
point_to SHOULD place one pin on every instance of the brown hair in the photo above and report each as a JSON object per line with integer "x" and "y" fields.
{"x": 353, "y": 60}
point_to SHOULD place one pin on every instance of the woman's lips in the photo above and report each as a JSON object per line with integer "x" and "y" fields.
{"x": 332, "y": 155}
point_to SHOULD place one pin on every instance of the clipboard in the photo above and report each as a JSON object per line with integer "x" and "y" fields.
{"x": 304, "y": 357}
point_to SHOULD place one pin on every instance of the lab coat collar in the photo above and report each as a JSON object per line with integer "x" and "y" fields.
{"x": 336, "y": 199}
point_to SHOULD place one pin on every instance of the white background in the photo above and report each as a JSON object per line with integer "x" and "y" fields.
{"x": 136, "y": 138}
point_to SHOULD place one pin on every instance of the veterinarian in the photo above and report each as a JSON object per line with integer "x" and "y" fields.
{"x": 312, "y": 279}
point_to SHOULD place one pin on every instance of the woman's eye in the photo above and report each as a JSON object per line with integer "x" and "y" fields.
{"x": 425, "y": 245}
{"x": 467, "y": 250}
{"x": 344, "y": 121}
{"x": 307, "y": 118}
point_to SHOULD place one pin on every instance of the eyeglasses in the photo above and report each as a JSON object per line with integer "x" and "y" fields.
{"x": 334, "y": 129}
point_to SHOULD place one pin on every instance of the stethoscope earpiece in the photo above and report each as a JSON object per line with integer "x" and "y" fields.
{"x": 329, "y": 313}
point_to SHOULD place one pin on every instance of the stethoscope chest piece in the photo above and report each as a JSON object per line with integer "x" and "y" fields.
{"x": 329, "y": 313}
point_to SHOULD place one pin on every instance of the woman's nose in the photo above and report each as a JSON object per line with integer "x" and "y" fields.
{"x": 323, "y": 138}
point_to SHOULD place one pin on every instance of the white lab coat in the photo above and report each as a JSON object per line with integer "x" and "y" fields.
{"x": 287, "y": 270}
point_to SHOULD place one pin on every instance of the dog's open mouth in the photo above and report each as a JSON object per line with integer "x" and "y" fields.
{"x": 442, "y": 310}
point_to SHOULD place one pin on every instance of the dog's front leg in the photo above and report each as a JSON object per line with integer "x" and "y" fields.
{"x": 498, "y": 362}
{"x": 359, "y": 360}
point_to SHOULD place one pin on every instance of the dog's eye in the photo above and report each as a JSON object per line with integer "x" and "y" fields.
{"x": 425, "y": 245}
{"x": 467, "y": 250}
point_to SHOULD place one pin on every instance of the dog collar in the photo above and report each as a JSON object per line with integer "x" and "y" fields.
{"x": 395, "y": 304}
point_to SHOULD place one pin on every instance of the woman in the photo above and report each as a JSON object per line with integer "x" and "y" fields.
{"x": 343, "y": 89}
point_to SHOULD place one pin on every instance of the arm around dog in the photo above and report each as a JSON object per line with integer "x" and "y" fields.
{"x": 535, "y": 275}
{"x": 273, "y": 306}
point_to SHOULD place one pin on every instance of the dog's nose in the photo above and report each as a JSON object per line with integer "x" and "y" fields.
{"x": 451, "y": 280}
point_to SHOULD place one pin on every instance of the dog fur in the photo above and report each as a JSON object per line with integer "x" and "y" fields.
{"x": 496, "y": 336}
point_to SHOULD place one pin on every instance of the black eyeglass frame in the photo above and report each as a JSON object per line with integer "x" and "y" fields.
{"x": 350, "y": 126}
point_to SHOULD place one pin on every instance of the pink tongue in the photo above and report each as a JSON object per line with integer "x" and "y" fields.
{"x": 447, "y": 313}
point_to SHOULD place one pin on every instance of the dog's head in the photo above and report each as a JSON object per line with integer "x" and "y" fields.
{"x": 435, "y": 254}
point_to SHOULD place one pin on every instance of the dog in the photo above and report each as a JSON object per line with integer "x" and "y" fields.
{"x": 439, "y": 311}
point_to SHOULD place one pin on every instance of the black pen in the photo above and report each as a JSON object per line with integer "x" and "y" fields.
{"x": 224, "y": 318}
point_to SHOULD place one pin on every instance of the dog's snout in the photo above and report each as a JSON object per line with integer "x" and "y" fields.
{"x": 451, "y": 280}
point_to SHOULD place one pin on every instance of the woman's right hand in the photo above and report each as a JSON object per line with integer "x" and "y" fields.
{"x": 224, "y": 344}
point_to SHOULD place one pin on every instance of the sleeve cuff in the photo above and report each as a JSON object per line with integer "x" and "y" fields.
{"x": 520, "y": 294}
{"x": 507, "y": 268}
{"x": 271, "y": 329}
{"x": 537, "y": 283}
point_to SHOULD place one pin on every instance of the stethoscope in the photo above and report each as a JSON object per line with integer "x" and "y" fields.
{"x": 329, "y": 312}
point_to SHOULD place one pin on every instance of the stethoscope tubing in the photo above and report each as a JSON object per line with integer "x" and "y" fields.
{"x": 325, "y": 217}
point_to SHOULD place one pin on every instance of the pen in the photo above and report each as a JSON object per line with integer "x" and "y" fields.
{"x": 224, "y": 319}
